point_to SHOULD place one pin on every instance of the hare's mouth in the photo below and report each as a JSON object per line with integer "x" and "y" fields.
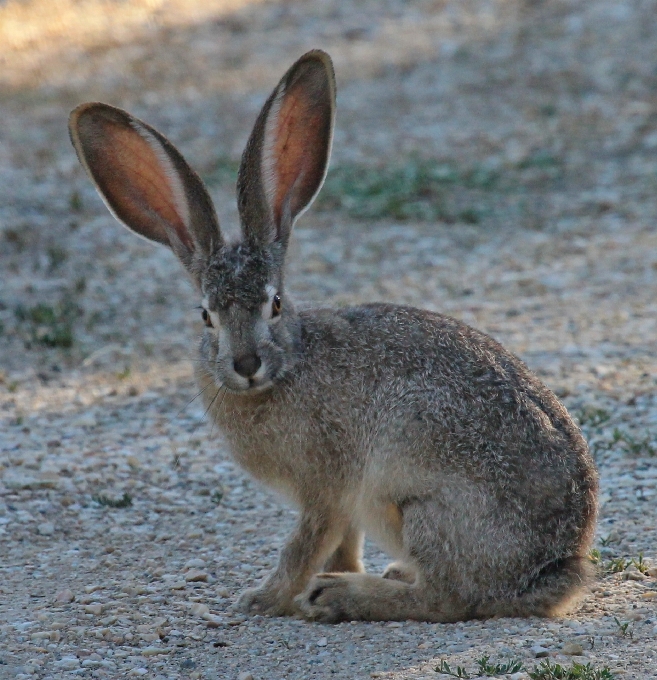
{"x": 259, "y": 386}
{"x": 248, "y": 385}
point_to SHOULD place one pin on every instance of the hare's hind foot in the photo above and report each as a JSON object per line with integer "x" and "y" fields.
{"x": 330, "y": 598}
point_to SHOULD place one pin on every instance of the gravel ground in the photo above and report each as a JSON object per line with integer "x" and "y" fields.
{"x": 559, "y": 99}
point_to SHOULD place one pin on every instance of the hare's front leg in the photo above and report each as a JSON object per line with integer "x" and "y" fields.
{"x": 315, "y": 539}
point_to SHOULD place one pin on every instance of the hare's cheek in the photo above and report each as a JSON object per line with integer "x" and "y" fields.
{"x": 222, "y": 339}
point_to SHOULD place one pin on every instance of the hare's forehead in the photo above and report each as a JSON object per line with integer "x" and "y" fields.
{"x": 239, "y": 275}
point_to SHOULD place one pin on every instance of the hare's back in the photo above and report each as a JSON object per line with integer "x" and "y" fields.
{"x": 413, "y": 348}
{"x": 434, "y": 377}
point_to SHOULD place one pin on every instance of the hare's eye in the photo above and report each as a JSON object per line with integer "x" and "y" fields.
{"x": 206, "y": 318}
{"x": 276, "y": 305}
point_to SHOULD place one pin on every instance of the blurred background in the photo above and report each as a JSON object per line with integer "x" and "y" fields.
{"x": 476, "y": 141}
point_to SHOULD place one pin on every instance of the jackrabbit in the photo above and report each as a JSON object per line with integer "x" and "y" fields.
{"x": 400, "y": 422}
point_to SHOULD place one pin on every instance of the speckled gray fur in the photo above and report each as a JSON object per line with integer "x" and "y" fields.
{"x": 401, "y": 423}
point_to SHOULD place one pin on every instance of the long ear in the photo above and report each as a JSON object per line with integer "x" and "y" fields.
{"x": 144, "y": 180}
{"x": 285, "y": 161}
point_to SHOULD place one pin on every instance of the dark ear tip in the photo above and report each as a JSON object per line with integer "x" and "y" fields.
{"x": 320, "y": 57}
{"x": 87, "y": 108}
{"x": 94, "y": 112}
{"x": 75, "y": 116}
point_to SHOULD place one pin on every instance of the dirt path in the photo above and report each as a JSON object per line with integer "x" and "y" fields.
{"x": 508, "y": 158}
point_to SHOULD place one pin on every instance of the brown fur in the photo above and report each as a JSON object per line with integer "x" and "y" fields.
{"x": 401, "y": 423}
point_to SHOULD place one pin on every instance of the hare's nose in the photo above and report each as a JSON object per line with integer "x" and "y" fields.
{"x": 247, "y": 365}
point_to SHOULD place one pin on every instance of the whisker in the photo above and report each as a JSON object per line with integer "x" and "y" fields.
{"x": 210, "y": 404}
{"x": 218, "y": 407}
{"x": 196, "y": 396}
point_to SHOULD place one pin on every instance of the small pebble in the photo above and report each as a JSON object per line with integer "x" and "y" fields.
{"x": 540, "y": 652}
{"x": 212, "y": 620}
{"x": 572, "y": 649}
{"x": 633, "y": 574}
{"x": 154, "y": 651}
{"x": 96, "y": 609}
{"x": 67, "y": 663}
{"x": 199, "y": 609}
{"x": 195, "y": 575}
{"x": 64, "y": 596}
{"x": 245, "y": 676}
{"x": 46, "y": 529}
{"x": 195, "y": 563}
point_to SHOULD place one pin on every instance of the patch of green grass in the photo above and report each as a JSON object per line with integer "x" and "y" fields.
{"x": 50, "y": 325}
{"x": 616, "y": 565}
{"x": 625, "y": 628}
{"x": 458, "y": 672}
{"x": 485, "y": 668}
{"x": 640, "y": 563}
{"x": 590, "y": 416}
{"x": 106, "y": 501}
{"x": 630, "y": 444}
{"x": 619, "y": 564}
{"x": 545, "y": 671}
{"x": 496, "y": 669}
{"x": 595, "y": 556}
{"x": 429, "y": 189}
{"x": 608, "y": 540}
{"x": 549, "y": 671}
{"x": 642, "y": 446}
{"x": 416, "y": 190}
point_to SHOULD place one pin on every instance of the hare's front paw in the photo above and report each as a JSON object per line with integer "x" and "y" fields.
{"x": 265, "y": 601}
{"x": 326, "y": 599}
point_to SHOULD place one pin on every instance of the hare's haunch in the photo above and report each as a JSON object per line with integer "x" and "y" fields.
{"x": 408, "y": 425}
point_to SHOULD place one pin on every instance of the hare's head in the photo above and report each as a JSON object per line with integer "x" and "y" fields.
{"x": 149, "y": 187}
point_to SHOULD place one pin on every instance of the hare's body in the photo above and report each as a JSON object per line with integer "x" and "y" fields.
{"x": 393, "y": 416}
{"x": 404, "y": 424}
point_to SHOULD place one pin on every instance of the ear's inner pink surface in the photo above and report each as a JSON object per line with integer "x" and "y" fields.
{"x": 133, "y": 177}
{"x": 300, "y": 141}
